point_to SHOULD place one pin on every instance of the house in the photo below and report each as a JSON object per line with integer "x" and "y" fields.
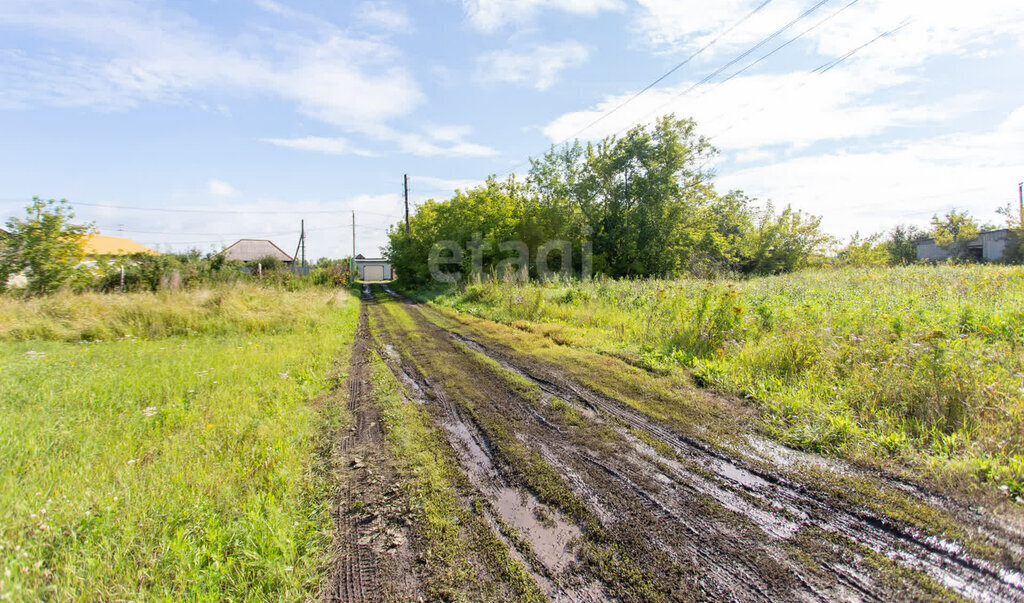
{"x": 251, "y": 250}
{"x": 96, "y": 246}
{"x": 988, "y": 246}
{"x": 373, "y": 269}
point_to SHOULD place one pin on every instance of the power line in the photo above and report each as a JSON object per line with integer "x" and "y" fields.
{"x": 732, "y": 62}
{"x": 216, "y": 211}
{"x": 821, "y": 69}
{"x": 790, "y": 41}
{"x": 604, "y": 115}
{"x": 678, "y": 66}
{"x": 710, "y": 76}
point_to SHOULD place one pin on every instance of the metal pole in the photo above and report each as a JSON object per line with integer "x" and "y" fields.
{"x": 303, "y": 239}
{"x": 1020, "y": 190}
{"x": 353, "y": 243}
{"x": 406, "y": 180}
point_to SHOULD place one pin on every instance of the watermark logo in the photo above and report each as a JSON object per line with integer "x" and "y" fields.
{"x": 452, "y": 262}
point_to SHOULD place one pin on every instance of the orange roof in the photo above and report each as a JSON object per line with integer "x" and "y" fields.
{"x": 101, "y": 245}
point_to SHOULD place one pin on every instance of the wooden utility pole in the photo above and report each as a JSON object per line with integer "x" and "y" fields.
{"x": 1020, "y": 191}
{"x": 301, "y": 244}
{"x": 406, "y": 180}
{"x": 353, "y": 242}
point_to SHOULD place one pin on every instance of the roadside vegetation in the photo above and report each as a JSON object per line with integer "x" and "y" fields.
{"x": 638, "y": 205}
{"x": 164, "y": 445}
{"x": 45, "y": 250}
{"x": 918, "y": 368}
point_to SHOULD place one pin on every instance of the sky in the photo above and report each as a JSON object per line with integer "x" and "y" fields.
{"x": 191, "y": 124}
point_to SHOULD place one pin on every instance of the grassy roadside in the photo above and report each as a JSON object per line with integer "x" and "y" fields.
{"x": 916, "y": 368}
{"x": 177, "y": 465}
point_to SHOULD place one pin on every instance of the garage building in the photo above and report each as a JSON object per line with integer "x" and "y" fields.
{"x": 373, "y": 269}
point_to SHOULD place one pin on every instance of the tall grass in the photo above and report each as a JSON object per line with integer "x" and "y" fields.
{"x": 240, "y": 308}
{"x": 921, "y": 363}
{"x": 175, "y": 467}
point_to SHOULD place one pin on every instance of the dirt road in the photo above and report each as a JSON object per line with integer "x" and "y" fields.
{"x": 605, "y": 481}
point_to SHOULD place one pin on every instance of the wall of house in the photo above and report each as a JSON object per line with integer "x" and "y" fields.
{"x": 928, "y": 250}
{"x": 993, "y": 247}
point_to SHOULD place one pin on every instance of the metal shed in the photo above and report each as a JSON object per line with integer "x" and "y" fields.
{"x": 986, "y": 247}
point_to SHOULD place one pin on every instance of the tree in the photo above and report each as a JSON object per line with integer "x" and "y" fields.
{"x": 864, "y": 251}
{"x": 637, "y": 205}
{"x": 781, "y": 242}
{"x": 46, "y": 244}
{"x": 902, "y": 244}
{"x": 953, "y": 230}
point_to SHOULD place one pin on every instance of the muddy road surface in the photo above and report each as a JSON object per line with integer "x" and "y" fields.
{"x": 606, "y": 482}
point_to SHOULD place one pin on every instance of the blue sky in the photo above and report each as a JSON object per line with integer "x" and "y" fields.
{"x": 259, "y": 113}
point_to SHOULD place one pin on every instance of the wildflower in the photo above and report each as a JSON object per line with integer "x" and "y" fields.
{"x": 149, "y": 411}
{"x": 284, "y": 375}
{"x": 132, "y": 461}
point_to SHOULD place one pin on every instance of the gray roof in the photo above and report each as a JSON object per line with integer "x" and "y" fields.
{"x": 247, "y": 250}
{"x": 999, "y": 232}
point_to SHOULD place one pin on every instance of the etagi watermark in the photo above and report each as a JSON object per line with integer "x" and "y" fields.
{"x": 515, "y": 263}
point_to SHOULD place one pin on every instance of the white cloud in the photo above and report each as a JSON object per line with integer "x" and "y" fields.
{"x": 936, "y": 27}
{"x": 332, "y": 146}
{"x": 794, "y": 109}
{"x": 448, "y": 133}
{"x": 902, "y": 182}
{"x": 383, "y": 15}
{"x": 221, "y": 189}
{"x": 436, "y": 141}
{"x": 538, "y": 67}
{"x": 414, "y": 144}
{"x": 125, "y": 53}
{"x": 490, "y": 15}
{"x": 445, "y": 185}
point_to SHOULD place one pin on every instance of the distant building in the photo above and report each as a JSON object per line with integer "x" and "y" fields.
{"x": 251, "y": 250}
{"x": 986, "y": 247}
{"x": 373, "y": 269}
{"x": 101, "y": 246}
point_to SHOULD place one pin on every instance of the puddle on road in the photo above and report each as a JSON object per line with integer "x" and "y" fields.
{"x": 737, "y": 474}
{"x": 549, "y": 538}
{"x": 406, "y": 379}
{"x": 772, "y": 524}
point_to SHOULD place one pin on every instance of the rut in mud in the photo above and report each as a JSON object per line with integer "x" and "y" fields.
{"x": 609, "y": 501}
{"x": 372, "y": 554}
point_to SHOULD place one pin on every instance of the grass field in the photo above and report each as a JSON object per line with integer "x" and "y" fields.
{"x": 919, "y": 368}
{"x": 163, "y": 446}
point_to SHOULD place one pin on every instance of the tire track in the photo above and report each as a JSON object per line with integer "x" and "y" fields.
{"x": 356, "y": 573}
{"x": 944, "y": 561}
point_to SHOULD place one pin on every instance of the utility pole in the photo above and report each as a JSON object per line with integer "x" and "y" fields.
{"x": 353, "y": 242}
{"x": 406, "y": 180}
{"x": 301, "y": 244}
{"x": 1020, "y": 191}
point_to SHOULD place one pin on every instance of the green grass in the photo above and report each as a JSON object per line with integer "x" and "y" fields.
{"x": 916, "y": 366}
{"x": 178, "y": 467}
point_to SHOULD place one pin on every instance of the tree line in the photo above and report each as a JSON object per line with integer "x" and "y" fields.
{"x": 47, "y": 248}
{"x": 639, "y": 205}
